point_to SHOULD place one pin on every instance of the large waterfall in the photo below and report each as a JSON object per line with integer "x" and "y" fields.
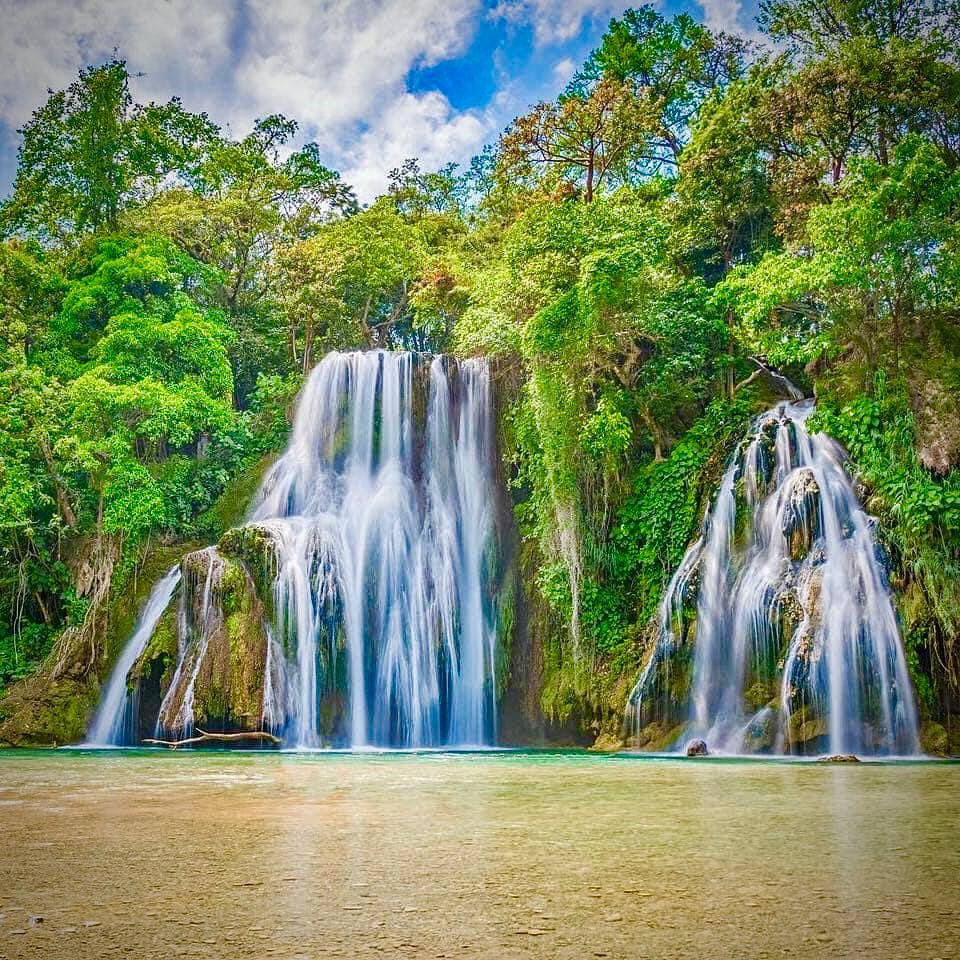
{"x": 357, "y": 606}
{"x": 383, "y": 551}
{"x": 777, "y": 632}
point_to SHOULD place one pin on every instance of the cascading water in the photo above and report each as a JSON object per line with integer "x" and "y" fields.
{"x": 777, "y": 631}
{"x": 382, "y": 539}
{"x": 115, "y": 719}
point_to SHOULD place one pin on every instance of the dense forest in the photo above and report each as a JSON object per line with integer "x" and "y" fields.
{"x": 637, "y": 259}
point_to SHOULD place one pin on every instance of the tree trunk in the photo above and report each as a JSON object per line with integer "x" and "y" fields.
{"x": 204, "y": 737}
{"x": 63, "y": 503}
{"x": 307, "y": 345}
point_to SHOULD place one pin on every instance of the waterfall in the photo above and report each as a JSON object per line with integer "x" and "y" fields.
{"x": 115, "y": 720}
{"x": 777, "y": 632}
{"x": 382, "y": 538}
{"x": 357, "y": 604}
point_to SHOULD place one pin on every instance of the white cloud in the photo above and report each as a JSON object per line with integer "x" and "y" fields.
{"x": 724, "y": 16}
{"x": 337, "y": 66}
{"x": 45, "y": 42}
{"x": 423, "y": 126}
{"x": 564, "y": 69}
{"x": 554, "y": 21}
{"x": 335, "y": 62}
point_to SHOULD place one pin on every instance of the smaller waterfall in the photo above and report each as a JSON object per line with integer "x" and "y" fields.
{"x": 777, "y": 632}
{"x": 113, "y": 724}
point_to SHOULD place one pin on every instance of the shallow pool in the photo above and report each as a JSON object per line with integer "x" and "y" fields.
{"x": 499, "y": 855}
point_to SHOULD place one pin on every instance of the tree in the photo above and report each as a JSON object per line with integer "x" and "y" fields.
{"x": 675, "y": 64}
{"x": 871, "y": 270}
{"x": 350, "y": 284}
{"x": 90, "y": 151}
{"x": 723, "y": 191}
{"x": 30, "y": 290}
{"x": 249, "y": 200}
{"x": 815, "y": 27}
{"x": 857, "y": 78}
{"x": 417, "y": 194}
{"x": 586, "y": 136}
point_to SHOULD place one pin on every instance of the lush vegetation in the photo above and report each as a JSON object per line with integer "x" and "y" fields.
{"x": 634, "y": 258}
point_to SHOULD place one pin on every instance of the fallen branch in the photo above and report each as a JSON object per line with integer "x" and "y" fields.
{"x": 204, "y": 737}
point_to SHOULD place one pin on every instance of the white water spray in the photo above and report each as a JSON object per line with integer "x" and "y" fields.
{"x": 382, "y": 537}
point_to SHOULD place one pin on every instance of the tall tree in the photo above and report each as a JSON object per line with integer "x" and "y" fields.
{"x": 587, "y": 136}
{"x": 90, "y": 151}
{"x": 675, "y": 64}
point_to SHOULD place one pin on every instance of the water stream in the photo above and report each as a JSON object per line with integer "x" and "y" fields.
{"x": 115, "y": 719}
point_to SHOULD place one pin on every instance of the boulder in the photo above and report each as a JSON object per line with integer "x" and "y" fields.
{"x": 697, "y": 748}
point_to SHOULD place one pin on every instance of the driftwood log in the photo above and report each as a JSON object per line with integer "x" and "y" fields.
{"x": 204, "y": 737}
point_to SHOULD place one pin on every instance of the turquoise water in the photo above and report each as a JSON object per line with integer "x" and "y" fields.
{"x": 499, "y": 854}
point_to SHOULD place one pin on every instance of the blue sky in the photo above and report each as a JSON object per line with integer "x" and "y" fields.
{"x": 372, "y": 81}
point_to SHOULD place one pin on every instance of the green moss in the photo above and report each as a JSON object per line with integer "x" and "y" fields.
{"x": 41, "y": 712}
{"x": 232, "y": 505}
{"x": 658, "y": 736}
{"x": 229, "y": 687}
{"x": 934, "y": 739}
{"x": 255, "y": 548}
{"x": 760, "y": 694}
{"x": 161, "y": 648}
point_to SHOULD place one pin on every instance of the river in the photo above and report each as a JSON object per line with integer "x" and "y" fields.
{"x": 494, "y": 855}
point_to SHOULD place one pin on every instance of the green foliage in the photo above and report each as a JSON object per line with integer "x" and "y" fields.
{"x": 90, "y": 150}
{"x": 627, "y": 255}
{"x": 656, "y": 523}
{"x": 873, "y": 261}
{"x": 920, "y": 520}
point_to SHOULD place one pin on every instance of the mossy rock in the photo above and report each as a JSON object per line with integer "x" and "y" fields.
{"x": 254, "y": 546}
{"x": 131, "y": 595}
{"x": 760, "y": 735}
{"x": 607, "y": 743}
{"x": 801, "y": 521}
{"x": 658, "y": 736}
{"x": 40, "y": 712}
{"x": 232, "y": 505}
{"x": 952, "y": 725}
{"x": 161, "y": 649}
{"x": 228, "y": 692}
{"x": 934, "y": 739}
{"x": 806, "y": 725}
{"x": 760, "y": 694}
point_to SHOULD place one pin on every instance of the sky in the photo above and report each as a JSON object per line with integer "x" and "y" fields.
{"x": 371, "y": 81}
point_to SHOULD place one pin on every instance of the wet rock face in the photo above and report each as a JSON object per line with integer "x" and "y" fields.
{"x": 657, "y": 736}
{"x": 801, "y": 520}
{"x": 761, "y": 733}
{"x": 222, "y": 645}
{"x": 938, "y": 424}
{"x": 935, "y": 739}
{"x": 697, "y": 748}
{"x": 254, "y": 547}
